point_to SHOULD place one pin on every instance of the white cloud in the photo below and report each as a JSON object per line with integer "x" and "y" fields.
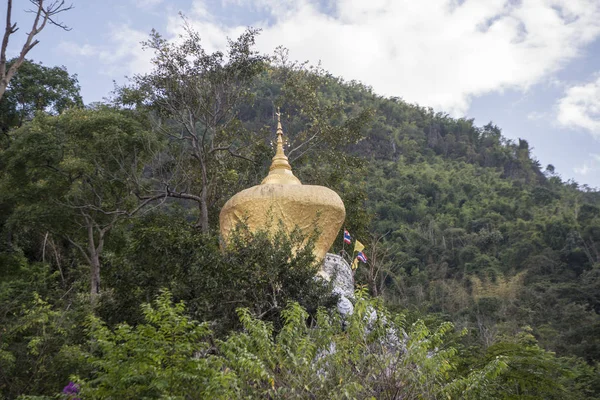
{"x": 147, "y": 3}
{"x": 537, "y": 116}
{"x": 124, "y": 56}
{"x": 580, "y": 107}
{"x": 438, "y": 53}
{"x": 583, "y": 169}
{"x": 590, "y": 166}
{"x": 75, "y": 50}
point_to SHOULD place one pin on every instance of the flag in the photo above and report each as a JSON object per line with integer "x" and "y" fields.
{"x": 358, "y": 246}
{"x": 361, "y": 256}
{"x": 347, "y": 237}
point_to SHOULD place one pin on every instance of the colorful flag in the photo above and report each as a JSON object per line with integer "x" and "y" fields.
{"x": 361, "y": 256}
{"x": 347, "y": 237}
{"x": 358, "y": 246}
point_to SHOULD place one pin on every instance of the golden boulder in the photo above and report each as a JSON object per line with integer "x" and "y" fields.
{"x": 282, "y": 199}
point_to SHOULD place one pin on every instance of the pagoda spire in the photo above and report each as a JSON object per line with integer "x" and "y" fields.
{"x": 280, "y": 171}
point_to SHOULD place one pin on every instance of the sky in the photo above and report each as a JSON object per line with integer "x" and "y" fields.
{"x": 532, "y": 67}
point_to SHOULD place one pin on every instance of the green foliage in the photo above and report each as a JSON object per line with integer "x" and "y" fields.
{"x": 460, "y": 224}
{"x": 73, "y": 175}
{"x": 168, "y": 356}
{"x": 78, "y": 163}
{"x": 372, "y": 354}
{"x": 255, "y": 271}
{"x": 320, "y": 122}
{"x": 531, "y": 371}
{"x": 37, "y": 88}
{"x": 465, "y": 239}
{"x": 36, "y": 335}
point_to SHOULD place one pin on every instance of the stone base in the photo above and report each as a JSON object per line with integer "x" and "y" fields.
{"x": 338, "y": 269}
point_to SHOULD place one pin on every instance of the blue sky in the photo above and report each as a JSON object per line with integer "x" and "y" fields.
{"x": 530, "y": 66}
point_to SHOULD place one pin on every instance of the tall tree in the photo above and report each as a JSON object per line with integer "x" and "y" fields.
{"x": 326, "y": 121}
{"x": 71, "y": 175}
{"x": 195, "y": 96}
{"x": 45, "y": 13}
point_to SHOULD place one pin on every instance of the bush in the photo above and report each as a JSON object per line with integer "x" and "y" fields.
{"x": 255, "y": 271}
{"x": 372, "y": 354}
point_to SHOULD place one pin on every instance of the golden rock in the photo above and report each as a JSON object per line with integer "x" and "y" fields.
{"x": 282, "y": 198}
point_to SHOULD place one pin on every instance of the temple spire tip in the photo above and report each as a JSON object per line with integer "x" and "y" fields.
{"x": 281, "y": 170}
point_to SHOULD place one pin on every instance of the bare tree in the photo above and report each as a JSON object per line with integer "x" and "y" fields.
{"x": 380, "y": 264}
{"x": 45, "y": 13}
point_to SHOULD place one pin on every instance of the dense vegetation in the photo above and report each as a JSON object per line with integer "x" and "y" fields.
{"x": 483, "y": 278}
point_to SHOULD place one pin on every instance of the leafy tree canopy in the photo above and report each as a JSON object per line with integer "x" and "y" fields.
{"x": 36, "y": 87}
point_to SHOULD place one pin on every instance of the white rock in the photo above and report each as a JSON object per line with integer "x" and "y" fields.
{"x": 336, "y": 267}
{"x": 344, "y": 306}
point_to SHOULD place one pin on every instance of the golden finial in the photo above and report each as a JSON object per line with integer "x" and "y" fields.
{"x": 281, "y": 170}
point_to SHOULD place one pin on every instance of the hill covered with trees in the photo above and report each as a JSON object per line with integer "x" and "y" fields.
{"x": 484, "y": 267}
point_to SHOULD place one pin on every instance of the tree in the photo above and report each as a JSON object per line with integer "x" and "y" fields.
{"x": 532, "y": 372}
{"x": 380, "y": 264}
{"x": 194, "y": 96}
{"x": 72, "y": 175}
{"x": 324, "y": 121}
{"x": 256, "y": 270}
{"x": 44, "y": 14}
{"x": 36, "y": 87}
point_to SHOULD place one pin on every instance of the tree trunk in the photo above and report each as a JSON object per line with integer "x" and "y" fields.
{"x": 203, "y": 199}
{"x": 94, "y": 260}
{"x": 95, "y": 277}
{"x": 375, "y": 291}
{"x": 3, "y": 85}
{"x": 203, "y": 210}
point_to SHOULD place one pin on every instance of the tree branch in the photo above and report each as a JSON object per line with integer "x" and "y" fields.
{"x": 9, "y": 30}
{"x": 87, "y": 258}
{"x": 231, "y": 152}
{"x": 46, "y": 15}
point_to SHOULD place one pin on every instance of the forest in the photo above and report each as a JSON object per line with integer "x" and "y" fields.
{"x": 483, "y": 272}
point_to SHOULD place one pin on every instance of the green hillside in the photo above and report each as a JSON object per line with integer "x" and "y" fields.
{"x": 466, "y": 224}
{"x": 484, "y": 267}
